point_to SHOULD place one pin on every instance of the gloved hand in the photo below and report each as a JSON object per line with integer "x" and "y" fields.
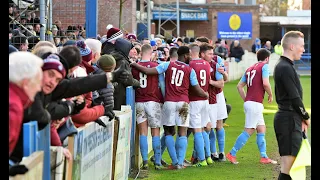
{"x": 17, "y": 169}
{"x": 107, "y": 96}
{"x": 109, "y": 113}
{"x": 121, "y": 74}
{"x": 100, "y": 122}
{"x": 79, "y": 104}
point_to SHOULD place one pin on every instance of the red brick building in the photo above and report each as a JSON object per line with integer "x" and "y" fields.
{"x": 73, "y": 12}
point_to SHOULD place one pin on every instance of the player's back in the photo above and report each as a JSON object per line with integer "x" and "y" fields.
{"x": 177, "y": 80}
{"x": 202, "y": 69}
{"x": 255, "y": 89}
{"x": 212, "y": 90}
{"x": 149, "y": 88}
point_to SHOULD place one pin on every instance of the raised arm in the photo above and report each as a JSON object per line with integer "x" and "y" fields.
{"x": 145, "y": 70}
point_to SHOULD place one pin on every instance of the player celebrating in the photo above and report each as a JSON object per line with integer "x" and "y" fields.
{"x": 206, "y": 53}
{"x": 256, "y": 78}
{"x": 199, "y": 106}
{"x": 178, "y": 78}
{"x": 148, "y": 109}
{"x": 221, "y": 113}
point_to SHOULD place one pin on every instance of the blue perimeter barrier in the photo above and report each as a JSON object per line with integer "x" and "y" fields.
{"x": 34, "y": 140}
{"x": 130, "y": 100}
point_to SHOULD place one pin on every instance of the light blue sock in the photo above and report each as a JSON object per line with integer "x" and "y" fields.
{"x": 221, "y": 139}
{"x": 182, "y": 148}
{"x": 212, "y": 138}
{"x": 262, "y": 144}
{"x": 171, "y": 149}
{"x": 240, "y": 142}
{"x": 156, "y": 145}
{"x": 177, "y": 145}
{"x": 199, "y": 145}
{"x": 163, "y": 143}
{"x": 205, "y": 136}
{"x": 144, "y": 147}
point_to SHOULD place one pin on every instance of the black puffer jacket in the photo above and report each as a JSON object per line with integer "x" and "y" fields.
{"x": 120, "y": 51}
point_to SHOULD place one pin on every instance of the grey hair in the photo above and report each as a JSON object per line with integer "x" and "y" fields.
{"x": 23, "y": 65}
{"x": 94, "y": 45}
{"x": 40, "y": 51}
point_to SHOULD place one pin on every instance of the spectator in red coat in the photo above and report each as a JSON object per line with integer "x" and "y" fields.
{"x": 25, "y": 77}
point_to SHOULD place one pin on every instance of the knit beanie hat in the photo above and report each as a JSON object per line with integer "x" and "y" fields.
{"x": 132, "y": 36}
{"x": 85, "y": 51}
{"x": 106, "y": 62}
{"x": 53, "y": 62}
{"x": 113, "y": 34}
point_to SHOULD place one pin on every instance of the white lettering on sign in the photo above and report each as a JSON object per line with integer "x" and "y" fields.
{"x": 193, "y": 15}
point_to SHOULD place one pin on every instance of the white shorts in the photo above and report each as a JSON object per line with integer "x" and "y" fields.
{"x": 175, "y": 113}
{"x": 222, "y": 107}
{"x": 199, "y": 113}
{"x": 213, "y": 108}
{"x": 254, "y": 114}
{"x": 150, "y": 111}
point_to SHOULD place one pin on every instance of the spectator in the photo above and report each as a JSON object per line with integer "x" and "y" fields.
{"x": 256, "y": 46}
{"x": 236, "y": 51}
{"x": 112, "y": 35}
{"x": 25, "y": 78}
{"x": 132, "y": 38}
{"x": 278, "y": 48}
{"x": 121, "y": 55}
{"x": 221, "y": 50}
{"x": 20, "y": 42}
{"x": 269, "y": 46}
{"x": 95, "y": 46}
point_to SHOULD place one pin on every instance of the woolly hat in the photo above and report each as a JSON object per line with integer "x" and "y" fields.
{"x": 153, "y": 43}
{"x": 85, "y": 51}
{"x": 113, "y": 34}
{"x": 183, "y": 50}
{"x": 109, "y": 27}
{"x": 107, "y": 62}
{"x": 132, "y": 36}
{"x": 53, "y": 62}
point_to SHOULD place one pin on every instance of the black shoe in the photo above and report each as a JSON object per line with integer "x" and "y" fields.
{"x": 214, "y": 158}
{"x": 222, "y": 157}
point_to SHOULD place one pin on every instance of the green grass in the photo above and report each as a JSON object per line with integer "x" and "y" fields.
{"x": 249, "y": 166}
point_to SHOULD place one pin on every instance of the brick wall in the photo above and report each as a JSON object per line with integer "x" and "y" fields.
{"x": 72, "y": 12}
{"x": 306, "y": 5}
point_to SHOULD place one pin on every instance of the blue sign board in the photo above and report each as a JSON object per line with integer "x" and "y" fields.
{"x": 184, "y": 15}
{"x": 234, "y": 25}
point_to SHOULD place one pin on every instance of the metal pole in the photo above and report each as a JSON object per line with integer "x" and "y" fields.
{"x": 42, "y": 20}
{"x": 50, "y": 20}
{"x": 178, "y": 20}
{"x": 159, "y": 25}
{"x": 149, "y": 19}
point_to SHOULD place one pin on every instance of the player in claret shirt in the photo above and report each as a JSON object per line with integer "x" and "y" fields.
{"x": 256, "y": 78}
{"x": 179, "y": 77}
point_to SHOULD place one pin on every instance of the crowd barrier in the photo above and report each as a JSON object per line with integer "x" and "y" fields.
{"x": 98, "y": 152}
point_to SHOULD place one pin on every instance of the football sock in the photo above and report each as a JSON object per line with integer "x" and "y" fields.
{"x": 240, "y": 142}
{"x": 205, "y": 136}
{"x": 221, "y": 139}
{"x": 199, "y": 145}
{"x": 194, "y": 152}
{"x": 171, "y": 149}
{"x": 262, "y": 145}
{"x": 156, "y": 145}
{"x": 177, "y": 145}
{"x": 212, "y": 137}
{"x": 163, "y": 143}
{"x": 144, "y": 147}
{"x": 182, "y": 148}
